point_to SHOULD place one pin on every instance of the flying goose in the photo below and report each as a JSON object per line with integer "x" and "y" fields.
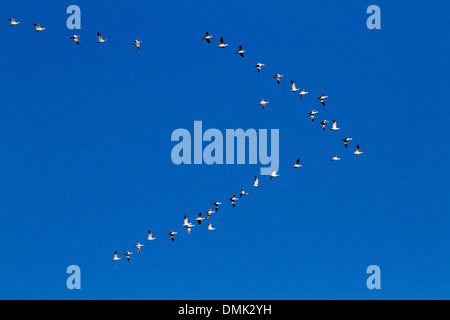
{"x": 150, "y": 236}
{"x": 210, "y": 228}
{"x": 222, "y": 45}
{"x": 274, "y": 174}
{"x": 38, "y": 27}
{"x": 172, "y": 234}
{"x": 216, "y": 205}
{"x": 137, "y": 43}
{"x": 302, "y": 93}
{"x": 323, "y": 123}
{"x": 209, "y": 212}
{"x": 312, "y": 113}
{"x": 258, "y": 66}
{"x": 207, "y": 37}
{"x": 256, "y": 183}
{"x": 199, "y": 218}
{"x": 346, "y": 140}
{"x": 116, "y": 257}
{"x": 13, "y": 22}
{"x": 278, "y": 77}
{"x": 240, "y": 51}
{"x": 334, "y": 127}
{"x": 100, "y": 38}
{"x": 243, "y": 193}
{"x": 128, "y": 254}
{"x": 297, "y": 164}
{"x": 335, "y": 158}
{"x": 357, "y": 151}
{"x": 75, "y": 38}
{"x": 322, "y": 99}
{"x": 139, "y": 246}
{"x": 263, "y": 103}
{"x": 233, "y": 199}
{"x": 294, "y": 89}
{"x": 187, "y": 224}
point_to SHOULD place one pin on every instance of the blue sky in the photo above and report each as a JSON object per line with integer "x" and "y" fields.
{"x": 85, "y": 165}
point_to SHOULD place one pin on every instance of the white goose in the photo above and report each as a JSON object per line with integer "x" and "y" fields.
{"x": 209, "y": 212}
{"x": 322, "y": 99}
{"x": 274, "y": 174}
{"x": 334, "y": 127}
{"x": 323, "y": 123}
{"x": 216, "y": 205}
{"x": 335, "y": 158}
{"x": 357, "y": 151}
{"x": 150, "y": 236}
{"x": 137, "y": 43}
{"x": 100, "y": 38}
{"x": 240, "y": 51}
{"x": 187, "y": 224}
{"x": 210, "y": 227}
{"x": 293, "y": 88}
{"x": 263, "y": 103}
{"x": 13, "y": 22}
{"x": 139, "y": 246}
{"x": 278, "y": 77}
{"x": 297, "y": 164}
{"x": 302, "y": 93}
{"x": 222, "y": 45}
{"x": 256, "y": 184}
{"x": 199, "y": 218}
{"x": 207, "y": 37}
{"x": 233, "y": 199}
{"x": 259, "y": 66}
{"x": 128, "y": 254}
{"x": 243, "y": 193}
{"x": 75, "y": 38}
{"x": 312, "y": 113}
{"x": 116, "y": 257}
{"x": 346, "y": 140}
{"x": 172, "y": 234}
{"x": 38, "y": 27}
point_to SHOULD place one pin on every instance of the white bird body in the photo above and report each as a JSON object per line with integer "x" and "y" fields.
{"x": 76, "y": 39}
{"x": 172, "y": 234}
{"x": 322, "y": 99}
{"x": 256, "y": 184}
{"x": 116, "y": 257}
{"x": 357, "y": 151}
{"x": 302, "y": 93}
{"x": 243, "y": 193}
{"x": 297, "y": 164}
{"x": 263, "y": 103}
{"x": 259, "y": 66}
{"x": 38, "y": 27}
{"x": 207, "y": 37}
{"x": 222, "y": 44}
{"x": 274, "y": 174}
{"x": 293, "y": 88}
{"x": 128, "y": 254}
{"x": 199, "y": 218}
{"x": 137, "y": 43}
{"x": 100, "y": 38}
{"x": 210, "y": 227}
{"x": 346, "y": 140}
{"x": 312, "y": 113}
{"x": 187, "y": 224}
{"x": 323, "y": 123}
{"x": 334, "y": 127}
{"x": 233, "y": 199}
{"x": 240, "y": 51}
{"x": 209, "y": 212}
{"x": 216, "y": 205}
{"x": 139, "y": 246}
{"x": 278, "y": 77}
{"x": 150, "y": 236}
{"x": 13, "y": 22}
{"x": 335, "y": 158}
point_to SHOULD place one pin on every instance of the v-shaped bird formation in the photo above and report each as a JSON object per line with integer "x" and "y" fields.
{"x": 233, "y": 199}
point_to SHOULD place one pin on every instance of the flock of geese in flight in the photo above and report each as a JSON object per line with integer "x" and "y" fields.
{"x": 188, "y": 225}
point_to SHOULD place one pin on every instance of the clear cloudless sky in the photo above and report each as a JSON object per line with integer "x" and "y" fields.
{"x": 85, "y": 150}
